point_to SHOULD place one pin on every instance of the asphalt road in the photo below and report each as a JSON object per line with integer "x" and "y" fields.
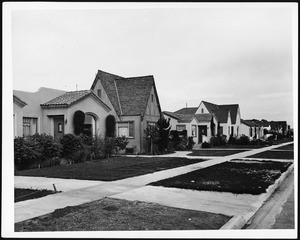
{"x": 278, "y": 211}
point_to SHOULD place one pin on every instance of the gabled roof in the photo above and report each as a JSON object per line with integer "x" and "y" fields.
{"x": 221, "y": 111}
{"x": 185, "y": 118}
{"x": 134, "y": 94}
{"x": 171, "y": 114}
{"x": 129, "y": 96}
{"x": 204, "y": 117}
{"x": 248, "y": 123}
{"x": 69, "y": 98}
{"x": 191, "y": 110}
{"x": 19, "y": 101}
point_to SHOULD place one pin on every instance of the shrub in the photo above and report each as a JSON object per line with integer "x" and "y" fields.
{"x": 26, "y": 152}
{"x": 174, "y": 136}
{"x": 171, "y": 148}
{"x": 70, "y": 145}
{"x": 78, "y": 122}
{"x": 48, "y": 145}
{"x": 205, "y": 145}
{"x": 110, "y": 124}
{"x": 109, "y": 146}
{"x": 190, "y": 143}
{"x": 152, "y": 137}
{"x": 232, "y": 140}
{"x": 97, "y": 148}
{"x": 217, "y": 141}
{"x": 121, "y": 143}
{"x": 243, "y": 140}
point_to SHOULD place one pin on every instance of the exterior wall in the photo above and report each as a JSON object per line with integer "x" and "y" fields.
{"x": 18, "y": 120}
{"x": 134, "y": 142}
{"x": 152, "y": 107}
{"x": 88, "y": 105}
{"x": 104, "y": 96}
{"x": 237, "y": 125}
{"x": 202, "y": 106}
{"x": 245, "y": 130}
{"x": 47, "y": 120}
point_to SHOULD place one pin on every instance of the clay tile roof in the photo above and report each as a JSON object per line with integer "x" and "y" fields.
{"x": 134, "y": 94}
{"x": 190, "y": 110}
{"x": 68, "y": 98}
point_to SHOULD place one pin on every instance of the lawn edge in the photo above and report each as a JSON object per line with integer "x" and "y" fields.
{"x": 238, "y": 222}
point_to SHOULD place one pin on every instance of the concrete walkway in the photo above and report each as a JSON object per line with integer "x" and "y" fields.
{"x": 77, "y": 192}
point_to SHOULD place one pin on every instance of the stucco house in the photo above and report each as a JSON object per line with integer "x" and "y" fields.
{"x": 202, "y": 122}
{"x": 132, "y": 101}
{"x": 18, "y": 106}
{"x": 30, "y": 122}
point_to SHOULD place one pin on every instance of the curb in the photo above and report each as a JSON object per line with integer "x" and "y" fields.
{"x": 237, "y": 222}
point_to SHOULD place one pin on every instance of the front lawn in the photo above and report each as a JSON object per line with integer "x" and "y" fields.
{"x": 109, "y": 169}
{"x": 286, "y": 147}
{"x": 214, "y": 152}
{"x": 110, "y": 214}
{"x": 252, "y": 177}
{"x": 26, "y": 194}
{"x": 274, "y": 155}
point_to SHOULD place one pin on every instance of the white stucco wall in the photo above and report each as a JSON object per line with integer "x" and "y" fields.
{"x": 18, "y": 120}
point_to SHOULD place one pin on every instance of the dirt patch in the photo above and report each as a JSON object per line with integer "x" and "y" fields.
{"x": 274, "y": 155}
{"x": 26, "y": 194}
{"x": 110, "y": 169}
{"x": 119, "y": 215}
{"x": 252, "y": 177}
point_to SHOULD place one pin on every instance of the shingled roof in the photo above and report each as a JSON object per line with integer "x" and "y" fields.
{"x": 221, "y": 111}
{"x": 204, "y": 117}
{"x": 129, "y": 96}
{"x": 69, "y": 98}
{"x": 190, "y": 110}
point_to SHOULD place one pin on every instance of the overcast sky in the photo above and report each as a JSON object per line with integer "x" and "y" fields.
{"x": 224, "y": 55}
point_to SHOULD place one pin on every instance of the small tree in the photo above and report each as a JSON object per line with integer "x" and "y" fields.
{"x": 152, "y": 136}
{"x": 110, "y": 126}
{"x": 109, "y": 146}
{"x": 78, "y": 122}
{"x": 163, "y": 127}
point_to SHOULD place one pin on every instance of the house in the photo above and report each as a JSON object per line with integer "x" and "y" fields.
{"x": 132, "y": 101}
{"x": 30, "y": 122}
{"x": 206, "y": 120}
{"x": 18, "y": 106}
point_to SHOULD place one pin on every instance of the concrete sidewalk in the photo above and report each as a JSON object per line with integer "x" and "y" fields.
{"x": 80, "y": 191}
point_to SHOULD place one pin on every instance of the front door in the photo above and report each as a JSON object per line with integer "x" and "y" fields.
{"x": 202, "y": 130}
{"x": 58, "y": 127}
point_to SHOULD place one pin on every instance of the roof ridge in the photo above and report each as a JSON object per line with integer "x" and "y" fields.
{"x": 127, "y": 78}
{"x": 118, "y": 97}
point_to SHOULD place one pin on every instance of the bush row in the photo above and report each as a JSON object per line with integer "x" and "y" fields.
{"x": 242, "y": 140}
{"x": 41, "y": 148}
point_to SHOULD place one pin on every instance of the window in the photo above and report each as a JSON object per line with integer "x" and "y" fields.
{"x": 29, "y": 126}
{"x": 237, "y": 130}
{"x": 228, "y": 130}
{"x": 125, "y": 129}
{"x": 194, "y": 131}
{"x": 99, "y": 93}
{"x": 152, "y": 98}
{"x": 60, "y": 128}
{"x": 180, "y": 127}
{"x": 232, "y": 130}
{"x": 202, "y": 110}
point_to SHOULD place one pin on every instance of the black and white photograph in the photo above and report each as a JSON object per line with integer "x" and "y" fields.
{"x": 150, "y": 120}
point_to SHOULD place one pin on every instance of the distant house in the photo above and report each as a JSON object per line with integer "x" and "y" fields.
{"x": 32, "y": 113}
{"x": 202, "y": 122}
{"x": 18, "y": 106}
{"x": 132, "y": 101}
